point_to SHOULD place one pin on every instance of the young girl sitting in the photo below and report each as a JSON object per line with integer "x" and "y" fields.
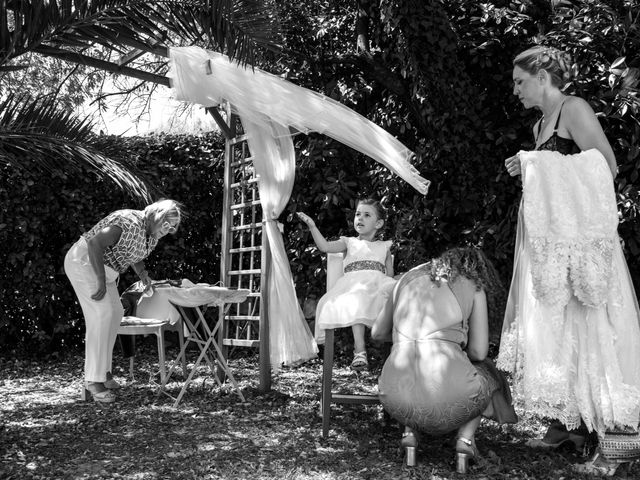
{"x": 357, "y": 297}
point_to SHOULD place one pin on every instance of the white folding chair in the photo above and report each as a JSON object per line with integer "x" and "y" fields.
{"x": 146, "y": 326}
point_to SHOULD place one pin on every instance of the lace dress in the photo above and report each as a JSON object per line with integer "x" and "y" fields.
{"x": 570, "y": 336}
{"x": 359, "y": 295}
{"x": 428, "y": 382}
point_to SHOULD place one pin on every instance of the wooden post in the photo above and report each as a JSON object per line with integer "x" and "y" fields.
{"x": 226, "y": 241}
{"x": 265, "y": 362}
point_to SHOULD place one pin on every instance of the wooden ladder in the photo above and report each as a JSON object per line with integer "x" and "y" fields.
{"x": 244, "y": 258}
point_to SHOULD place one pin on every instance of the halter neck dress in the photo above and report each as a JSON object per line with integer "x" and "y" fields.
{"x": 428, "y": 382}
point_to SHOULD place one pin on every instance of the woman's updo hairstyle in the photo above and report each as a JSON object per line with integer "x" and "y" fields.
{"x": 553, "y": 61}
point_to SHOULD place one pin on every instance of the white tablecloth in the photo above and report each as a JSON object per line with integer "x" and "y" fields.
{"x": 159, "y": 304}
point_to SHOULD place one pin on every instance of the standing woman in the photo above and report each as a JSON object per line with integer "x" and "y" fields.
{"x": 123, "y": 239}
{"x": 575, "y": 361}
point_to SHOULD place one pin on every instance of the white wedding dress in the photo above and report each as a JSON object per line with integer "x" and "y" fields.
{"x": 571, "y": 335}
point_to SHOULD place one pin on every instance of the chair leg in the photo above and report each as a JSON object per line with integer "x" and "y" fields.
{"x": 327, "y": 374}
{"x": 132, "y": 357}
{"x": 181, "y": 340}
{"x": 163, "y": 374}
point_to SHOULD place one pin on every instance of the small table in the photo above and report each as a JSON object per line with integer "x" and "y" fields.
{"x": 171, "y": 302}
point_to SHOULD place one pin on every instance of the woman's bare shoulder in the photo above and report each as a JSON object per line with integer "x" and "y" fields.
{"x": 576, "y": 105}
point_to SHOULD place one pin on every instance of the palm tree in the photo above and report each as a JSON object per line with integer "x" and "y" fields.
{"x": 117, "y": 36}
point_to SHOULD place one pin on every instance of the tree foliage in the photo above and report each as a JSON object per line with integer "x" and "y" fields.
{"x": 38, "y": 309}
{"x": 437, "y": 74}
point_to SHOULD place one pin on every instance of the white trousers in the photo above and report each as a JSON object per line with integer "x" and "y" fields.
{"x": 102, "y": 317}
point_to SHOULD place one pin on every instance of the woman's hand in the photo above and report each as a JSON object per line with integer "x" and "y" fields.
{"x": 101, "y": 291}
{"x": 145, "y": 279}
{"x": 307, "y": 219}
{"x": 513, "y": 165}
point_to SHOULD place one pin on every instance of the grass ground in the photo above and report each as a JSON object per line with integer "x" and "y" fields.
{"x": 46, "y": 432}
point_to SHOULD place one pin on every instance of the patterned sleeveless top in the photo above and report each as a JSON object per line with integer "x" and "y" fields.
{"x": 555, "y": 142}
{"x": 134, "y": 244}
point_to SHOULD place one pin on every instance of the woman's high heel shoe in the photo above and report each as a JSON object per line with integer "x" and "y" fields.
{"x": 571, "y": 438}
{"x": 600, "y": 466}
{"x": 466, "y": 453}
{"x": 409, "y": 442}
{"x": 90, "y": 391}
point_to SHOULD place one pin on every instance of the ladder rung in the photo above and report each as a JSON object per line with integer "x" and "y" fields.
{"x": 245, "y": 249}
{"x": 238, "y": 206}
{"x": 248, "y": 226}
{"x": 244, "y": 272}
{"x": 358, "y": 399}
{"x": 242, "y": 317}
{"x": 244, "y": 161}
{"x": 238, "y": 184}
{"x": 234, "y": 342}
{"x": 238, "y": 139}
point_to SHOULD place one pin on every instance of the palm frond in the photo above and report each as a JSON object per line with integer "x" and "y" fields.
{"x": 234, "y": 27}
{"x": 21, "y": 113}
{"x": 36, "y": 135}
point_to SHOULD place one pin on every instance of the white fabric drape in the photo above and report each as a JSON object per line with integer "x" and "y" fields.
{"x": 268, "y": 106}
{"x": 290, "y": 339}
{"x": 209, "y": 78}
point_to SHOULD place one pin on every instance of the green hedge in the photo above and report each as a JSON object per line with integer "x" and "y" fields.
{"x": 42, "y": 215}
{"x": 454, "y": 59}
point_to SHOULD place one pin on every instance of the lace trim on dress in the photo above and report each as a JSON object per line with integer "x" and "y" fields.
{"x": 562, "y": 268}
{"x": 553, "y": 389}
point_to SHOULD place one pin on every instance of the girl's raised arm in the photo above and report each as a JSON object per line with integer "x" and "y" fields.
{"x": 323, "y": 245}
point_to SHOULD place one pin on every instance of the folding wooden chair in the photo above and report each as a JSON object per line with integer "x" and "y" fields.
{"x": 334, "y": 272}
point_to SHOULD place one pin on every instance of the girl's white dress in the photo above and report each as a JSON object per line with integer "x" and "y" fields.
{"x": 571, "y": 337}
{"x": 359, "y": 295}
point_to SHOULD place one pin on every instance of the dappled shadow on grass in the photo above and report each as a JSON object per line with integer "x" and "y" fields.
{"x": 48, "y": 433}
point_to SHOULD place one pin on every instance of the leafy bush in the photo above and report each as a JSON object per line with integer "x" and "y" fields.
{"x": 438, "y": 76}
{"x": 41, "y": 216}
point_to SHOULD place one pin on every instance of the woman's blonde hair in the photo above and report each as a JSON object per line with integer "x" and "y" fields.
{"x": 164, "y": 210}
{"x": 553, "y": 61}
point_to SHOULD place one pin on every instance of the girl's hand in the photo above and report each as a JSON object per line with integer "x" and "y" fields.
{"x": 513, "y": 165}
{"x": 101, "y": 291}
{"x": 306, "y": 219}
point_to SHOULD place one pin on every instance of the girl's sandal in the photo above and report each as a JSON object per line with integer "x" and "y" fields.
{"x": 359, "y": 362}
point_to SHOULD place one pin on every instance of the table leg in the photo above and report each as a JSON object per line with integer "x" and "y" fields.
{"x": 204, "y": 346}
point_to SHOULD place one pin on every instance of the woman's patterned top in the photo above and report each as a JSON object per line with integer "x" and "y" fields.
{"x": 134, "y": 244}
{"x": 555, "y": 142}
